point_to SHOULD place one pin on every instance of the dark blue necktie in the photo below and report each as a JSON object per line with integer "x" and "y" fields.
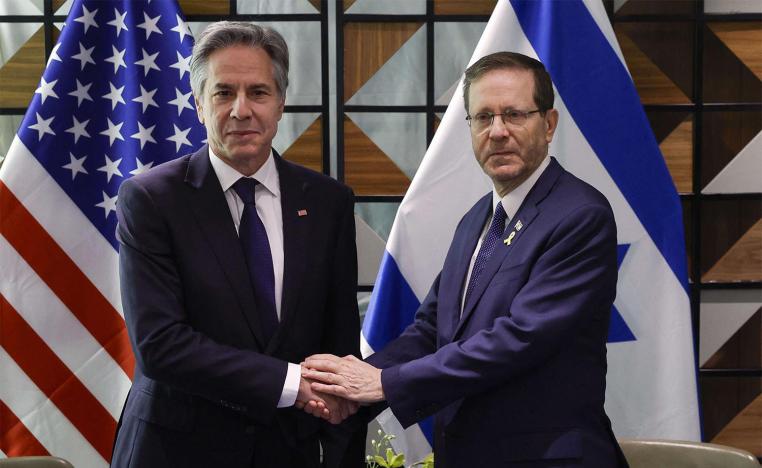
{"x": 256, "y": 248}
{"x": 494, "y": 233}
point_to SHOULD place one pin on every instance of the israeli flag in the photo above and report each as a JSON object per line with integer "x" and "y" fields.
{"x": 604, "y": 138}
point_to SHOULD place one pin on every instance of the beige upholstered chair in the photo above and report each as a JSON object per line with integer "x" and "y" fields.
{"x": 642, "y": 453}
{"x": 35, "y": 462}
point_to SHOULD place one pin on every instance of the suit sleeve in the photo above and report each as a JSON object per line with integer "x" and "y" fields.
{"x": 572, "y": 282}
{"x": 418, "y": 339}
{"x": 167, "y": 348}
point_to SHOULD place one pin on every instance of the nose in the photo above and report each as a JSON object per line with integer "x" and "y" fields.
{"x": 240, "y": 109}
{"x": 498, "y": 130}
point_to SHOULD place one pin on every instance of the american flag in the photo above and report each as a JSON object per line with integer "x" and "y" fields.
{"x": 114, "y": 100}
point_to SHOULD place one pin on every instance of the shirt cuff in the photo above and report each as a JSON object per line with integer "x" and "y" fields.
{"x": 290, "y": 386}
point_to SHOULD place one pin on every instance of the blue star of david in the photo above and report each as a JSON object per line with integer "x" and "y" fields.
{"x": 618, "y": 330}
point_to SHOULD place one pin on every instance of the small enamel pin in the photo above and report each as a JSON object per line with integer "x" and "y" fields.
{"x": 510, "y": 238}
{"x": 519, "y": 225}
{"x": 301, "y": 213}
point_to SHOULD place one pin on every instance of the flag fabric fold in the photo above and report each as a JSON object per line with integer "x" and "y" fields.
{"x": 604, "y": 138}
{"x": 114, "y": 101}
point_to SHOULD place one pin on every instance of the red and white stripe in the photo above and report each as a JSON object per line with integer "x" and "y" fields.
{"x": 65, "y": 360}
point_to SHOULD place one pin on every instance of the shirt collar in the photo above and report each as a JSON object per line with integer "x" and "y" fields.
{"x": 513, "y": 200}
{"x": 267, "y": 175}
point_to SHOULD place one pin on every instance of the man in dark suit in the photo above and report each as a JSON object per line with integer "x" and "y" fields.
{"x": 508, "y": 350}
{"x": 235, "y": 266}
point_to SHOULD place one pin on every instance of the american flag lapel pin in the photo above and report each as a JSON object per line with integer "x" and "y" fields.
{"x": 301, "y": 213}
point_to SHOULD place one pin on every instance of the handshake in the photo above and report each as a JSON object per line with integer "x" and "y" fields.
{"x": 333, "y": 387}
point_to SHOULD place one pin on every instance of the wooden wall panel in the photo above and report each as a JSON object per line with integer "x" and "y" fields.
{"x": 668, "y": 45}
{"x": 726, "y": 78}
{"x": 724, "y": 135}
{"x": 723, "y": 398}
{"x": 723, "y": 223}
{"x": 307, "y": 150}
{"x": 677, "y": 149}
{"x": 745, "y": 430}
{"x": 743, "y": 350}
{"x": 205, "y": 7}
{"x": 367, "y": 46}
{"x": 464, "y": 7}
{"x": 744, "y": 39}
{"x": 21, "y": 74}
{"x": 367, "y": 169}
{"x": 742, "y": 262}
{"x": 654, "y": 87}
{"x": 655, "y": 7}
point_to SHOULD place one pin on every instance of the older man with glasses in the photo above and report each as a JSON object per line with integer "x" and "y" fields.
{"x": 508, "y": 350}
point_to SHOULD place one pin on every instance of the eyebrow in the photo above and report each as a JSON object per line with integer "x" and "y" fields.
{"x": 264, "y": 86}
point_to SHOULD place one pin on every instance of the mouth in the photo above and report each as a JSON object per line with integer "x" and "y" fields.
{"x": 241, "y": 133}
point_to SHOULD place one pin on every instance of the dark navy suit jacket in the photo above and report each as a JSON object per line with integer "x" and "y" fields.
{"x": 206, "y": 384}
{"x": 520, "y": 379}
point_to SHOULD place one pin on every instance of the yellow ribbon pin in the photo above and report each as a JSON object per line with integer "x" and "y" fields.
{"x": 510, "y": 238}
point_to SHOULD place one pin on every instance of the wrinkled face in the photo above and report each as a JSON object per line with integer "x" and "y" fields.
{"x": 240, "y": 106}
{"x": 509, "y": 153}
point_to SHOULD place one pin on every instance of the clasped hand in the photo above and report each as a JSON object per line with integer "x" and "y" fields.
{"x": 333, "y": 387}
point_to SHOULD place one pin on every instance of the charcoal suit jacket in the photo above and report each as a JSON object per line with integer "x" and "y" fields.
{"x": 518, "y": 379}
{"x": 206, "y": 383}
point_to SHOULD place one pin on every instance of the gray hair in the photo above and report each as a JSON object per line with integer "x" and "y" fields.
{"x": 543, "y": 86}
{"x": 223, "y": 34}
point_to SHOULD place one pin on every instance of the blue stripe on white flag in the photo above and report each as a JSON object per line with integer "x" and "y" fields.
{"x": 619, "y": 134}
{"x": 392, "y": 305}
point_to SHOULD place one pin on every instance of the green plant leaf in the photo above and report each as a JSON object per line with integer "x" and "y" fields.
{"x": 380, "y": 461}
{"x": 398, "y": 461}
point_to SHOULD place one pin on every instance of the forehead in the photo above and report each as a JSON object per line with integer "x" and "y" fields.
{"x": 240, "y": 63}
{"x": 501, "y": 89}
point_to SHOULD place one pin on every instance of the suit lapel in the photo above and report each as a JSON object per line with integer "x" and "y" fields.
{"x": 213, "y": 217}
{"x": 515, "y": 229}
{"x": 453, "y": 286}
{"x": 295, "y": 230}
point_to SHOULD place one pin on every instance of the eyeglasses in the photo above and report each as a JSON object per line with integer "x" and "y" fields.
{"x": 483, "y": 120}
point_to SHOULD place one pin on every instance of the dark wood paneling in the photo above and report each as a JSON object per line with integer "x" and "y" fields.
{"x": 745, "y": 430}
{"x": 742, "y": 262}
{"x": 669, "y": 45}
{"x": 723, "y": 222}
{"x": 464, "y": 7}
{"x": 656, "y": 8}
{"x": 724, "y": 135}
{"x": 743, "y": 350}
{"x": 688, "y": 230}
{"x": 723, "y": 398}
{"x": 205, "y": 7}
{"x": 726, "y": 77}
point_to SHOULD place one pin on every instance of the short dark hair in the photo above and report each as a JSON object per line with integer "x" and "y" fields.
{"x": 223, "y": 34}
{"x": 543, "y": 85}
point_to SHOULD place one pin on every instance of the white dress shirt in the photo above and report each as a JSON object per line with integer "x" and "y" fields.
{"x": 511, "y": 203}
{"x": 268, "y": 200}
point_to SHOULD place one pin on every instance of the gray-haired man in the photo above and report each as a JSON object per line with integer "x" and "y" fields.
{"x": 235, "y": 266}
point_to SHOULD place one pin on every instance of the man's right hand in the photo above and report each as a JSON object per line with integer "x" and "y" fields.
{"x": 328, "y": 407}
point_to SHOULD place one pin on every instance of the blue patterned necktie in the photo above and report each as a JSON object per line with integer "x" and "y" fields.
{"x": 256, "y": 249}
{"x": 494, "y": 233}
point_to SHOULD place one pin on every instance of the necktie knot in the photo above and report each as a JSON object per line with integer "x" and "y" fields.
{"x": 244, "y": 187}
{"x": 499, "y": 217}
